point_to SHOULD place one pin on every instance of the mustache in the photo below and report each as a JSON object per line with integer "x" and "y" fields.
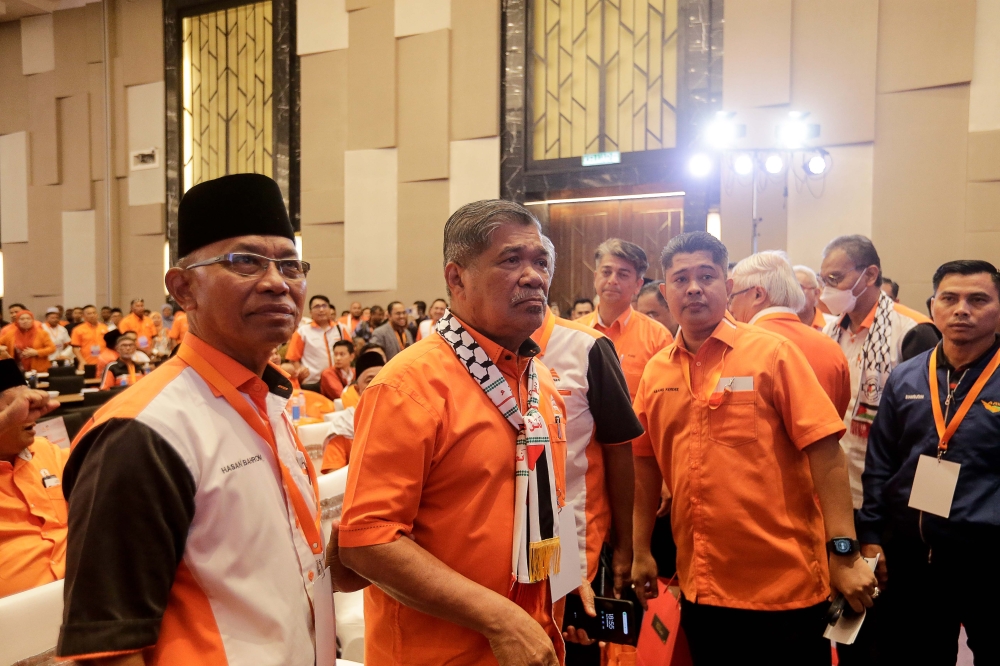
{"x": 526, "y": 295}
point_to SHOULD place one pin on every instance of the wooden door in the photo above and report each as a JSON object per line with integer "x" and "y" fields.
{"x": 576, "y": 229}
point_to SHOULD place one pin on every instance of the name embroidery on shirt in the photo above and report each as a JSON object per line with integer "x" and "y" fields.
{"x": 668, "y": 388}
{"x": 914, "y": 396}
{"x": 232, "y": 467}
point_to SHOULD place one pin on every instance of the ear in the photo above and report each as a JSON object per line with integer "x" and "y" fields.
{"x": 871, "y": 275}
{"x": 453, "y": 278}
{"x": 178, "y": 284}
{"x": 663, "y": 289}
{"x": 729, "y": 286}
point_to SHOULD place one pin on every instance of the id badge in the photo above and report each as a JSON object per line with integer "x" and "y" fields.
{"x": 95, "y": 350}
{"x": 143, "y": 341}
{"x": 934, "y": 485}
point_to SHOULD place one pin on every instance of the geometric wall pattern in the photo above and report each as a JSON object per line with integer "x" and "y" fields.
{"x": 604, "y": 76}
{"x": 227, "y": 65}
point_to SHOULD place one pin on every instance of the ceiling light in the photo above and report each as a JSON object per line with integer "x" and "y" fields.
{"x": 816, "y": 165}
{"x": 743, "y": 164}
{"x": 700, "y": 165}
{"x": 774, "y": 164}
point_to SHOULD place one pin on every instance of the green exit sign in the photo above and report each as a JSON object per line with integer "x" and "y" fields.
{"x": 597, "y": 159}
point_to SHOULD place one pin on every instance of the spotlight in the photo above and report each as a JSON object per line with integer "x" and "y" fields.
{"x": 743, "y": 164}
{"x": 794, "y": 132}
{"x": 722, "y": 131}
{"x": 816, "y": 165}
{"x": 774, "y": 164}
{"x": 700, "y": 165}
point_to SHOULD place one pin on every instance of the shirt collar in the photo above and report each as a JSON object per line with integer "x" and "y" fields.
{"x": 845, "y": 319}
{"x": 495, "y": 352}
{"x": 725, "y": 332}
{"x": 623, "y": 319}
{"x": 944, "y": 364}
{"x": 777, "y": 309}
{"x": 238, "y": 374}
{"x": 544, "y": 332}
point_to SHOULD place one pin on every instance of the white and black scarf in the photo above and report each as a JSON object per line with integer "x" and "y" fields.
{"x": 536, "y": 550}
{"x": 876, "y": 364}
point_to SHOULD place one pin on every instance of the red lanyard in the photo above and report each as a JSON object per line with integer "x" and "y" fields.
{"x": 308, "y": 521}
{"x": 945, "y": 434}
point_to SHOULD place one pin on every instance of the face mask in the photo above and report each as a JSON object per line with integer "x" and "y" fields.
{"x": 840, "y": 301}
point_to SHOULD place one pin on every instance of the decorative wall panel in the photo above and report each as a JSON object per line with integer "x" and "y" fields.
{"x": 604, "y": 76}
{"x": 79, "y": 265}
{"x": 14, "y": 188}
{"x": 227, "y": 93}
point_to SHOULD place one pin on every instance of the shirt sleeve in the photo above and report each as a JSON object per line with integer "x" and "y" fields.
{"x": 295, "y": 348}
{"x": 882, "y": 461}
{"x": 607, "y": 394}
{"x": 919, "y": 339}
{"x": 642, "y": 445}
{"x": 806, "y": 411}
{"x": 131, "y": 503}
{"x": 394, "y": 442}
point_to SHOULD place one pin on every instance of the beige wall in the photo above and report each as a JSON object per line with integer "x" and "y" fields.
{"x": 62, "y": 108}
{"x": 906, "y": 95}
{"x": 379, "y": 82}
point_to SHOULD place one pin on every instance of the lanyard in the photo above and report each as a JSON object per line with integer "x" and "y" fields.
{"x": 713, "y": 381}
{"x": 945, "y": 434}
{"x": 402, "y": 340}
{"x": 307, "y": 521}
{"x": 131, "y": 372}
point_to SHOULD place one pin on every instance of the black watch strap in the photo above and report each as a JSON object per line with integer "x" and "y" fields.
{"x": 843, "y": 546}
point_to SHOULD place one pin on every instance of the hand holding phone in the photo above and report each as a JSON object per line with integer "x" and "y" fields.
{"x": 616, "y": 620}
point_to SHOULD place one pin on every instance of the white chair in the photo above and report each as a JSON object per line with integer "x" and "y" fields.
{"x": 29, "y": 622}
{"x": 350, "y": 607}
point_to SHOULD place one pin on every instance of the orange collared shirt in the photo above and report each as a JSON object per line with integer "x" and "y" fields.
{"x": 41, "y": 342}
{"x": 433, "y": 460}
{"x": 745, "y": 517}
{"x": 32, "y": 518}
{"x": 89, "y": 340}
{"x": 143, "y": 328}
{"x": 637, "y": 338}
{"x": 824, "y": 355}
{"x": 179, "y": 328}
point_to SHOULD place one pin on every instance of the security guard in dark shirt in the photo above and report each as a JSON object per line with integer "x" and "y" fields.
{"x": 932, "y": 480}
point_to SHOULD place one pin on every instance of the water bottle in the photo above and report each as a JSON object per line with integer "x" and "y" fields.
{"x": 296, "y": 410}
{"x": 123, "y": 380}
{"x": 146, "y": 369}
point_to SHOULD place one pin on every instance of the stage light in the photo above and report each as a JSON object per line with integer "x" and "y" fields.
{"x": 722, "y": 131}
{"x": 792, "y": 134}
{"x": 743, "y": 164}
{"x": 774, "y": 164}
{"x": 816, "y": 165}
{"x": 700, "y": 165}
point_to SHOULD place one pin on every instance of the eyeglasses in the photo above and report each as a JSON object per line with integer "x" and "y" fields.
{"x": 255, "y": 265}
{"x": 733, "y": 295}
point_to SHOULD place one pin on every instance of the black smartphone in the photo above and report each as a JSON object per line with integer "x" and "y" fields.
{"x": 615, "y": 622}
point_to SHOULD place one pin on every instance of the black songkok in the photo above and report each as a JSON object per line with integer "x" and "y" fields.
{"x": 370, "y": 359}
{"x": 244, "y": 204}
{"x": 10, "y": 375}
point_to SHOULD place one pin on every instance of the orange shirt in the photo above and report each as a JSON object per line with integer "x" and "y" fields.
{"x": 637, "y": 338}
{"x": 332, "y": 381}
{"x": 33, "y": 528}
{"x": 143, "y": 328}
{"x": 179, "y": 327}
{"x": 350, "y": 396}
{"x": 433, "y": 460}
{"x": 745, "y": 517}
{"x": 336, "y": 453}
{"x": 824, "y": 355}
{"x": 90, "y": 340}
{"x": 41, "y": 342}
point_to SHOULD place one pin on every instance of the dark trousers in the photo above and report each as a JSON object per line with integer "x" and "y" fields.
{"x": 928, "y": 601}
{"x": 721, "y": 636}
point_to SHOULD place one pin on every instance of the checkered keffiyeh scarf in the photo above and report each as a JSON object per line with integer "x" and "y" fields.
{"x": 876, "y": 364}
{"x": 536, "y": 548}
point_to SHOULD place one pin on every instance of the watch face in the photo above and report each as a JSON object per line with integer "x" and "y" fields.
{"x": 842, "y": 546}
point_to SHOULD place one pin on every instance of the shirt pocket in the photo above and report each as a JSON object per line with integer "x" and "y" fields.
{"x": 734, "y": 422}
{"x": 57, "y": 504}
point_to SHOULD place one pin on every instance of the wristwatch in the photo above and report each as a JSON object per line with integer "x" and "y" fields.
{"x": 843, "y": 546}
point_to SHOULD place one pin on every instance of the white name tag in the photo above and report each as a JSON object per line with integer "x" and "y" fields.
{"x": 934, "y": 485}
{"x": 570, "y": 574}
{"x": 734, "y": 384}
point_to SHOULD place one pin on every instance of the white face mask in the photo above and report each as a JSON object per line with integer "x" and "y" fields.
{"x": 840, "y": 301}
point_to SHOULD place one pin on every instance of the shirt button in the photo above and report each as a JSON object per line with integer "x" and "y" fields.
{"x": 507, "y": 357}
{"x": 698, "y": 364}
{"x": 310, "y": 575}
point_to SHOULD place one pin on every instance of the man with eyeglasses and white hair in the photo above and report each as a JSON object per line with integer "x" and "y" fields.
{"x": 194, "y": 525}
{"x": 766, "y": 294}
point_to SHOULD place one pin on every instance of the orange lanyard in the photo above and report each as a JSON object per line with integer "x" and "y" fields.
{"x": 307, "y": 521}
{"x": 945, "y": 434}
{"x": 402, "y": 340}
{"x": 713, "y": 380}
{"x": 131, "y": 372}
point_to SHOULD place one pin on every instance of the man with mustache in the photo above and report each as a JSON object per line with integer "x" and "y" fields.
{"x": 746, "y": 439}
{"x": 940, "y": 409}
{"x": 617, "y": 280}
{"x": 457, "y": 471}
{"x": 194, "y": 533}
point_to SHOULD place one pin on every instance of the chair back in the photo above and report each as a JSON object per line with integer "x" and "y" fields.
{"x": 62, "y": 371}
{"x": 66, "y": 385}
{"x": 30, "y": 622}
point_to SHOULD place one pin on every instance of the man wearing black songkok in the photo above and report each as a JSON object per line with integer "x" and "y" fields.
{"x": 193, "y": 510}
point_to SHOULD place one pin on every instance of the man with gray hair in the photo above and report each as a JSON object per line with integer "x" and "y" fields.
{"x": 457, "y": 474}
{"x": 619, "y": 269}
{"x": 767, "y": 295}
{"x": 811, "y": 314}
